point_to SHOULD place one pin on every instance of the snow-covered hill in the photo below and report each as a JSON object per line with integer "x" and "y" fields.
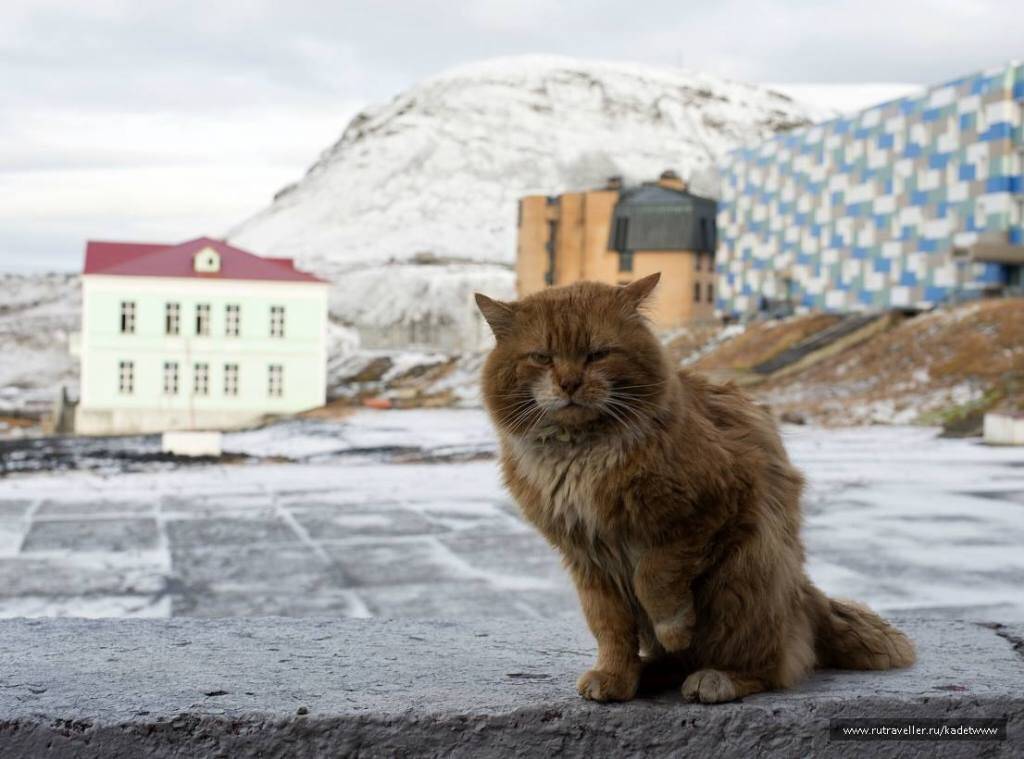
{"x": 436, "y": 173}
{"x": 38, "y": 312}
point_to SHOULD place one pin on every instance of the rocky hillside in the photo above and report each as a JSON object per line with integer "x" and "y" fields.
{"x": 945, "y": 367}
{"x": 38, "y": 312}
{"x": 415, "y": 206}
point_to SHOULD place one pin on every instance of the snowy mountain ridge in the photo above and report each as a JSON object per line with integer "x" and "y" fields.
{"x": 439, "y": 168}
{"x": 437, "y": 172}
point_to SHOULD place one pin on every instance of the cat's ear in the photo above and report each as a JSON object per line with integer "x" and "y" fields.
{"x": 637, "y": 292}
{"x": 499, "y": 315}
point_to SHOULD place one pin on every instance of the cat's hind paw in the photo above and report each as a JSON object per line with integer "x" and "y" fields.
{"x": 598, "y": 685}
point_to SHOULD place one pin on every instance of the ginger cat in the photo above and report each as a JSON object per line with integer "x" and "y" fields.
{"x": 671, "y": 500}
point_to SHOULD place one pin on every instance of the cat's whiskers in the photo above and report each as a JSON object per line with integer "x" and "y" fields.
{"x": 524, "y": 414}
{"x": 626, "y": 415}
{"x": 632, "y": 387}
{"x": 630, "y": 427}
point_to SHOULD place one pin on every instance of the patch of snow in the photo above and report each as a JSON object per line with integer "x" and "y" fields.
{"x": 847, "y": 98}
{"x": 38, "y": 313}
{"x": 727, "y": 333}
{"x": 427, "y": 430}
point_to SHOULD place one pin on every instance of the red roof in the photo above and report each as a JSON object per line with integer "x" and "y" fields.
{"x": 132, "y": 259}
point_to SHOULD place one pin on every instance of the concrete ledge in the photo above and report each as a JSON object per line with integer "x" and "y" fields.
{"x": 294, "y": 687}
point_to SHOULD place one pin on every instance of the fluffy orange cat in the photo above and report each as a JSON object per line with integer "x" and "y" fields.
{"x": 671, "y": 500}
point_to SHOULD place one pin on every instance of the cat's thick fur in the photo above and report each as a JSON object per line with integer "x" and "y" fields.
{"x": 671, "y": 499}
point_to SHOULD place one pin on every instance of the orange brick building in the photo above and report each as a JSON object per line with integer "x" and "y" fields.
{"x": 616, "y": 235}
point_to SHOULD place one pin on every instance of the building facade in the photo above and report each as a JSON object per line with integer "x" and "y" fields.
{"x": 615, "y": 235}
{"x": 199, "y": 335}
{"x": 907, "y": 204}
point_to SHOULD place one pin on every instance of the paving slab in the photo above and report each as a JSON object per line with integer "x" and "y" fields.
{"x": 90, "y": 535}
{"x": 228, "y": 531}
{"x": 329, "y": 687}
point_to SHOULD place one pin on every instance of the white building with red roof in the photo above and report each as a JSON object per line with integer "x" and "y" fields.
{"x": 199, "y": 335}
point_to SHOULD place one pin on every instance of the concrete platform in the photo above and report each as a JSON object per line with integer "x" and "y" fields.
{"x": 299, "y": 687}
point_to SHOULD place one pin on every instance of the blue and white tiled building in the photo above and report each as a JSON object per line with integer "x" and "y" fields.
{"x": 906, "y": 204}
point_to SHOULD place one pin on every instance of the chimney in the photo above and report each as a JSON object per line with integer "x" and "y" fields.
{"x": 670, "y": 179}
{"x": 613, "y": 183}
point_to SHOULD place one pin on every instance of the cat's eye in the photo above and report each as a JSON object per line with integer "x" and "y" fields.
{"x": 597, "y": 355}
{"x": 541, "y": 358}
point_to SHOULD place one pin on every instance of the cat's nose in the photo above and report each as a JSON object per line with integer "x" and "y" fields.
{"x": 570, "y": 385}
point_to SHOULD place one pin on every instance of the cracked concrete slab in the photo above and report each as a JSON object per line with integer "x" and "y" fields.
{"x": 329, "y": 687}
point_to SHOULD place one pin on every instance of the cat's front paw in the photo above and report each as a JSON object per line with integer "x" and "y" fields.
{"x": 676, "y": 632}
{"x": 709, "y": 686}
{"x": 599, "y": 685}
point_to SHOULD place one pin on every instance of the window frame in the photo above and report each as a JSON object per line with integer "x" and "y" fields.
{"x": 172, "y": 318}
{"x": 172, "y": 372}
{"x": 129, "y": 312}
{"x": 233, "y": 320}
{"x": 277, "y": 321}
{"x": 201, "y": 379}
{"x": 203, "y": 319}
{"x": 275, "y": 381}
{"x": 126, "y": 378}
{"x": 232, "y": 379}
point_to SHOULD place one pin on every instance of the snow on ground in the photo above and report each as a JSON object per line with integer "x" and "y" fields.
{"x": 420, "y": 431}
{"x": 37, "y": 314}
{"x": 895, "y": 517}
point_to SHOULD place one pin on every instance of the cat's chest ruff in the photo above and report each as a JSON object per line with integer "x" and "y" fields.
{"x": 571, "y": 479}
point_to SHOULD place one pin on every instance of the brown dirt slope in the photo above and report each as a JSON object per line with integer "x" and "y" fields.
{"x": 927, "y": 369}
{"x": 762, "y": 341}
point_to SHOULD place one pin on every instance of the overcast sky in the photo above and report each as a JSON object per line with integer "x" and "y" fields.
{"x": 139, "y": 119}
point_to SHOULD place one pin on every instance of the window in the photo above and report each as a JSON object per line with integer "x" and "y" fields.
{"x": 705, "y": 240}
{"x": 711, "y": 293}
{"x": 551, "y": 246}
{"x": 172, "y": 319}
{"x": 201, "y": 379}
{"x": 231, "y": 379}
{"x": 127, "y": 317}
{"x": 170, "y": 377}
{"x": 203, "y": 319}
{"x": 626, "y": 260}
{"x": 206, "y": 261}
{"x": 277, "y": 321}
{"x": 232, "y": 321}
{"x": 696, "y": 292}
{"x": 697, "y": 261}
{"x": 126, "y": 377}
{"x": 275, "y": 380}
{"x": 619, "y": 238}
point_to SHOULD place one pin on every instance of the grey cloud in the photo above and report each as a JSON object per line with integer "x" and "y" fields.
{"x": 223, "y": 59}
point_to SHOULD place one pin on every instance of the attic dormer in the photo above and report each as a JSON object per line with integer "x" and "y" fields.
{"x": 206, "y": 261}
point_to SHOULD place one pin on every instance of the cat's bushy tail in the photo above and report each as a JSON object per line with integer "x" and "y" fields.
{"x": 851, "y": 636}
